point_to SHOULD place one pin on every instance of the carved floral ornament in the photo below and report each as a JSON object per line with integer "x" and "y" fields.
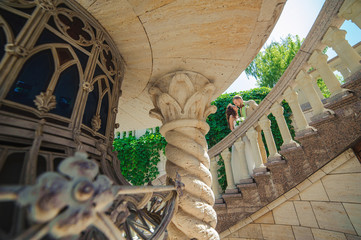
{"x": 182, "y": 95}
{"x": 67, "y": 203}
{"x": 45, "y": 101}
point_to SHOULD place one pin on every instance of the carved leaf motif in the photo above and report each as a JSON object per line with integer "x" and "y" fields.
{"x": 182, "y": 100}
{"x": 45, "y": 101}
{"x": 96, "y": 122}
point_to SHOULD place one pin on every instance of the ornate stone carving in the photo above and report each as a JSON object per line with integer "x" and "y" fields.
{"x": 45, "y": 101}
{"x": 46, "y": 4}
{"x": 87, "y": 86}
{"x": 16, "y": 50}
{"x": 182, "y": 102}
{"x": 96, "y": 122}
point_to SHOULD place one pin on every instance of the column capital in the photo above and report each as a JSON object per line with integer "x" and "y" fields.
{"x": 182, "y": 95}
{"x": 350, "y": 9}
{"x": 318, "y": 58}
{"x": 333, "y": 35}
{"x": 303, "y": 78}
{"x": 277, "y": 109}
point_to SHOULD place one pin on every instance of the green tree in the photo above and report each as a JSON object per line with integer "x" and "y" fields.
{"x": 269, "y": 65}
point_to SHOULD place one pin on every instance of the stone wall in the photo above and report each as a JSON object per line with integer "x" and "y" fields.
{"x": 326, "y": 206}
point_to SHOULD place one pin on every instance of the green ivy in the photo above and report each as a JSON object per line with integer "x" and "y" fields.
{"x": 139, "y": 157}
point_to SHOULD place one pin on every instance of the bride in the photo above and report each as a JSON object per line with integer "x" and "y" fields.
{"x": 232, "y": 116}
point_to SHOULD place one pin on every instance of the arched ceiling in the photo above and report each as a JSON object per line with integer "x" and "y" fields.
{"x": 215, "y": 38}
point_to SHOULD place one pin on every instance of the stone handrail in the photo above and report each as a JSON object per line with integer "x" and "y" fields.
{"x": 326, "y": 18}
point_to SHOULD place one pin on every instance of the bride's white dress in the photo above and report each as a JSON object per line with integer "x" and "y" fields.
{"x": 235, "y": 160}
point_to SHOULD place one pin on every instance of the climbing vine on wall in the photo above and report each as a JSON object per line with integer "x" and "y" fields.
{"x": 139, "y": 157}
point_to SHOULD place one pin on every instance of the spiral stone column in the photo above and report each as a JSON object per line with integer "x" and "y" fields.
{"x": 182, "y": 102}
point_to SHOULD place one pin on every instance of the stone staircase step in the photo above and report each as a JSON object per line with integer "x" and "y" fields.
{"x": 231, "y": 191}
{"x": 219, "y": 201}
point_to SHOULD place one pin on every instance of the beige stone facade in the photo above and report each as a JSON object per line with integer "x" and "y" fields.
{"x": 326, "y": 206}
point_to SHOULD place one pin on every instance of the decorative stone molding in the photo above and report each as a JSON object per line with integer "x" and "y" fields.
{"x": 45, "y": 101}
{"x": 96, "y": 122}
{"x": 182, "y": 102}
{"x": 16, "y": 50}
{"x": 87, "y": 86}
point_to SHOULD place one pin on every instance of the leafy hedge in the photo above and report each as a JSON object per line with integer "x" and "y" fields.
{"x": 139, "y": 157}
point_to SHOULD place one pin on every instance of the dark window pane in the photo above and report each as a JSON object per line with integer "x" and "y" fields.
{"x": 56, "y": 163}
{"x": 11, "y": 171}
{"x": 40, "y": 165}
{"x": 66, "y": 91}
{"x": 34, "y": 78}
{"x": 2, "y": 43}
{"x": 64, "y": 55}
{"x": 15, "y": 22}
{"x": 48, "y": 37}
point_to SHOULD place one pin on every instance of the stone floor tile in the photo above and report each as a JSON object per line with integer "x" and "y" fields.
{"x": 250, "y": 231}
{"x": 285, "y": 214}
{"x": 302, "y": 233}
{"x": 277, "y": 232}
{"x": 351, "y": 166}
{"x": 319, "y": 234}
{"x": 332, "y": 216}
{"x": 305, "y": 214}
{"x": 316, "y": 192}
{"x": 354, "y": 213}
{"x": 267, "y": 218}
{"x": 343, "y": 187}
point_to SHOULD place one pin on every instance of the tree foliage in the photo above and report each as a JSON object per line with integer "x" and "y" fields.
{"x": 139, "y": 157}
{"x": 269, "y": 65}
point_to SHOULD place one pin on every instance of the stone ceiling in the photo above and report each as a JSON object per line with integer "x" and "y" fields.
{"x": 215, "y": 38}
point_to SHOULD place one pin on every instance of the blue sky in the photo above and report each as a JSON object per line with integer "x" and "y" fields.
{"x": 297, "y": 18}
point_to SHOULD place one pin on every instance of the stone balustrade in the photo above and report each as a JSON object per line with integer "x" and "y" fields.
{"x": 297, "y": 86}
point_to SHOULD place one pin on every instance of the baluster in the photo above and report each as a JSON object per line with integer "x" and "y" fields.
{"x": 304, "y": 81}
{"x": 343, "y": 70}
{"x": 291, "y": 97}
{"x": 277, "y": 111}
{"x": 215, "y": 184}
{"x": 319, "y": 61}
{"x": 252, "y": 135}
{"x": 226, "y": 155}
{"x": 335, "y": 38}
{"x": 265, "y": 124}
{"x": 351, "y": 10}
{"x": 243, "y": 173}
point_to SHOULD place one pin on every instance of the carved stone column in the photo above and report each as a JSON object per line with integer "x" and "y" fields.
{"x": 304, "y": 82}
{"x": 240, "y": 147}
{"x": 252, "y": 135}
{"x": 319, "y": 61}
{"x": 182, "y": 102}
{"x": 292, "y": 98}
{"x": 351, "y": 10}
{"x": 277, "y": 111}
{"x": 265, "y": 124}
{"x": 335, "y": 38}
{"x": 215, "y": 184}
{"x": 226, "y": 155}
